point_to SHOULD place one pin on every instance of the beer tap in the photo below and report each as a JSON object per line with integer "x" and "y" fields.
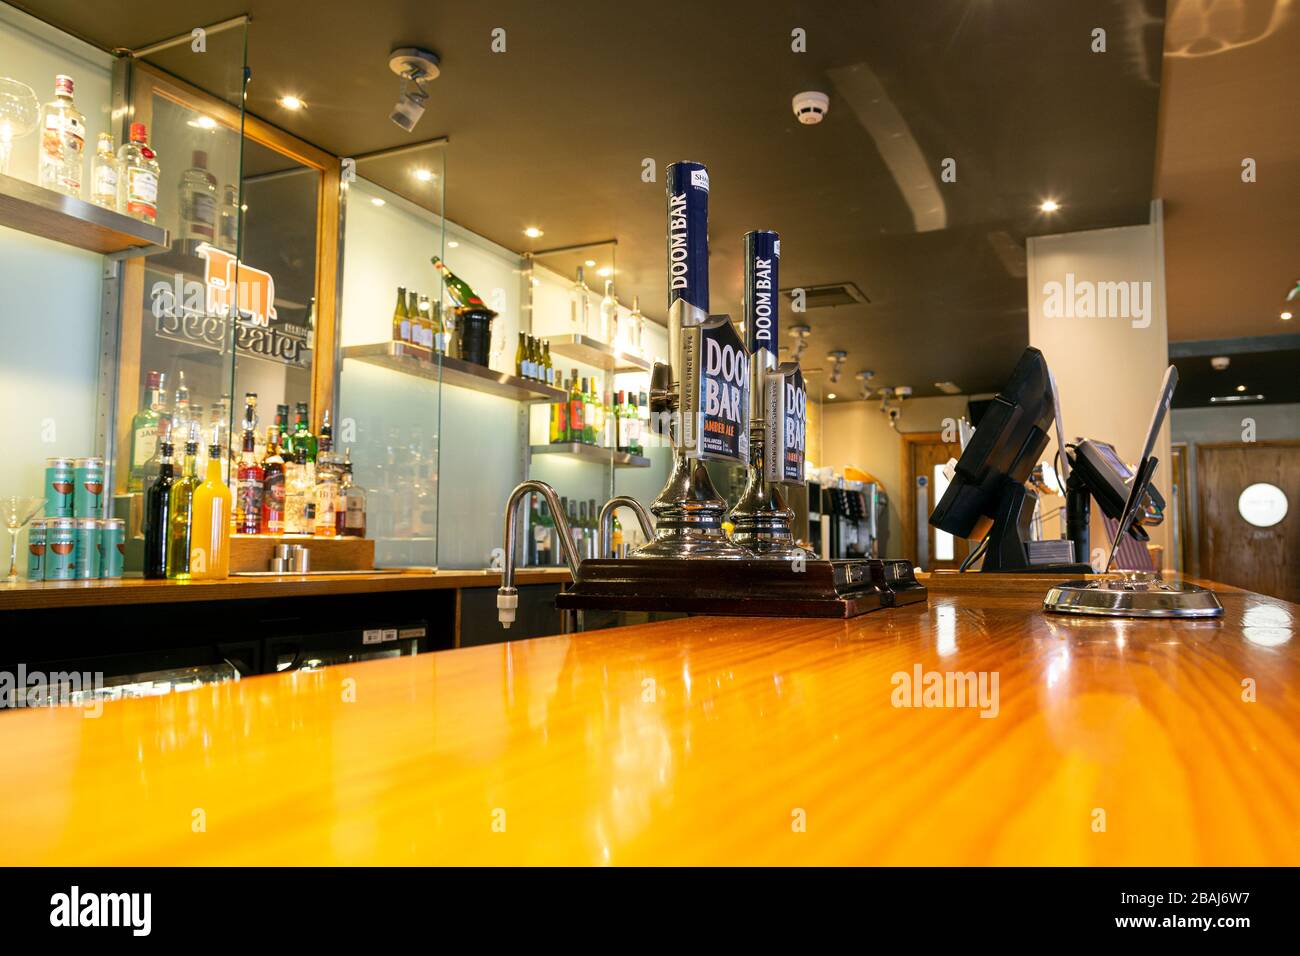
{"x": 508, "y": 594}
{"x": 762, "y": 519}
{"x": 688, "y": 511}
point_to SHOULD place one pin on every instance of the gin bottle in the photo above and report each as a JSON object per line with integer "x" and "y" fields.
{"x": 63, "y": 141}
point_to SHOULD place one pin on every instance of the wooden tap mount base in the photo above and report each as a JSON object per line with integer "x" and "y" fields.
{"x": 749, "y": 588}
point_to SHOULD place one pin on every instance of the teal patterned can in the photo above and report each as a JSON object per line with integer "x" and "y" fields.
{"x": 112, "y": 546}
{"x": 88, "y": 495}
{"x": 86, "y": 554}
{"x": 60, "y": 478}
{"x": 36, "y": 550}
{"x": 60, "y": 545}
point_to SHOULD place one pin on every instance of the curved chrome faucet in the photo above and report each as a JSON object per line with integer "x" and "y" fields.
{"x": 508, "y": 594}
{"x": 606, "y": 522}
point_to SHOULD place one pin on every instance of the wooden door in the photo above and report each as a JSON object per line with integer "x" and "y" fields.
{"x": 1234, "y": 550}
{"x": 923, "y": 452}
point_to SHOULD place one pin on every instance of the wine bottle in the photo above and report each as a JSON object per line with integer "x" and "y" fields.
{"x": 157, "y": 515}
{"x": 401, "y": 318}
{"x": 181, "y": 511}
{"x": 457, "y": 288}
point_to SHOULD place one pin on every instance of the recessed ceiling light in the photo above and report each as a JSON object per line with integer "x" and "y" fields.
{"x": 453, "y": 244}
{"x": 831, "y": 395}
{"x": 423, "y": 175}
{"x": 1049, "y": 205}
{"x": 1241, "y": 388}
{"x": 1285, "y": 316}
{"x": 589, "y": 263}
{"x": 605, "y": 273}
{"x": 291, "y": 102}
{"x": 204, "y": 122}
{"x": 377, "y": 201}
{"x": 532, "y": 232}
{"x": 948, "y": 388}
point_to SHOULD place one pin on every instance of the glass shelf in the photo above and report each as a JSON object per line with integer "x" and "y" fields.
{"x": 593, "y": 453}
{"x": 596, "y": 354}
{"x": 42, "y": 212}
{"x": 453, "y": 371}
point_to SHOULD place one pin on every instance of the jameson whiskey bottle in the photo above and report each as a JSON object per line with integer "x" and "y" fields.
{"x": 181, "y": 510}
{"x": 157, "y": 515}
{"x": 144, "y": 433}
{"x": 401, "y": 318}
{"x": 457, "y": 288}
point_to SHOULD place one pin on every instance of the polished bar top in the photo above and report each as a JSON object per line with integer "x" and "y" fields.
{"x": 44, "y": 594}
{"x": 704, "y": 740}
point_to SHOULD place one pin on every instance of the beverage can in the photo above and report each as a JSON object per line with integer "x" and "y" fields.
{"x": 59, "y": 481}
{"x": 85, "y": 561}
{"x": 60, "y": 545}
{"x": 88, "y": 495}
{"x": 112, "y": 546}
{"x": 36, "y": 550}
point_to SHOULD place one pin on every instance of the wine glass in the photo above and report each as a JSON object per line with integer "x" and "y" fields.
{"x": 20, "y": 111}
{"x": 17, "y": 511}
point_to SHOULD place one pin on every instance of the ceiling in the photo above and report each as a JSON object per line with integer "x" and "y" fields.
{"x": 554, "y": 131}
{"x": 1231, "y": 74}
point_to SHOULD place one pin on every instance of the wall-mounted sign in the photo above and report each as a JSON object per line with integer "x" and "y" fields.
{"x": 785, "y": 411}
{"x": 199, "y": 314}
{"x": 1262, "y": 504}
{"x": 715, "y": 391}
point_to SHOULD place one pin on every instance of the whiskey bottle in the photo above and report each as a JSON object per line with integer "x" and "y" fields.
{"x": 457, "y": 288}
{"x": 62, "y": 142}
{"x": 354, "y": 502}
{"x": 250, "y": 486}
{"x": 327, "y": 489}
{"x": 144, "y": 433}
{"x": 181, "y": 508}
{"x": 157, "y": 515}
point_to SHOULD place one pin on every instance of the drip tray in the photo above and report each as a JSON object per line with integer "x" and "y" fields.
{"x": 750, "y": 588}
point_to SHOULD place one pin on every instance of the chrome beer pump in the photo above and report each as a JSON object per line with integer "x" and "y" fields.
{"x": 778, "y": 403}
{"x": 689, "y": 511}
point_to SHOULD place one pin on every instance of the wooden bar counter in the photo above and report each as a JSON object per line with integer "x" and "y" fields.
{"x": 703, "y": 741}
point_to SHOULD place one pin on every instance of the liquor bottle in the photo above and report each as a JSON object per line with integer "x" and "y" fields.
{"x": 157, "y": 515}
{"x": 635, "y": 323}
{"x": 137, "y": 176}
{"x": 576, "y": 409}
{"x": 181, "y": 412}
{"x": 521, "y": 358}
{"x": 559, "y": 432}
{"x": 272, "y": 485}
{"x": 609, "y": 424}
{"x": 543, "y": 532}
{"x": 457, "y": 288}
{"x": 181, "y": 510}
{"x": 250, "y": 478}
{"x": 103, "y": 173}
{"x": 354, "y": 502}
{"x": 588, "y": 420}
{"x": 144, "y": 433}
{"x": 327, "y": 482}
{"x": 210, "y": 535}
{"x": 413, "y": 315}
{"x": 228, "y": 228}
{"x": 198, "y": 195}
{"x": 303, "y": 438}
{"x": 438, "y": 318}
{"x": 283, "y": 438}
{"x": 62, "y": 142}
{"x": 609, "y": 315}
{"x": 616, "y": 540}
{"x": 578, "y": 306}
{"x": 621, "y": 428}
{"x": 299, "y": 493}
{"x": 577, "y": 519}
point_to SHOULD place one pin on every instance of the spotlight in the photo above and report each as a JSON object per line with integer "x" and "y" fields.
{"x": 416, "y": 67}
{"x": 291, "y": 102}
{"x": 1049, "y": 205}
{"x": 532, "y": 232}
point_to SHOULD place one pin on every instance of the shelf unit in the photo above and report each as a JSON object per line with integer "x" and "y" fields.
{"x": 42, "y": 212}
{"x": 588, "y": 351}
{"x": 593, "y": 453}
{"x": 452, "y": 371}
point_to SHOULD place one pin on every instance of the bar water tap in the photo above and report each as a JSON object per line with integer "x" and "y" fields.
{"x": 508, "y": 594}
{"x": 606, "y": 522}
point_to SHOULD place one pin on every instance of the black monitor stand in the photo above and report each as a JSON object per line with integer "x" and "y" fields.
{"x": 1007, "y": 552}
{"x": 1078, "y": 515}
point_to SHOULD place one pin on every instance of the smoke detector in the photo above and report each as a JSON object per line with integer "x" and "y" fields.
{"x": 810, "y": 107}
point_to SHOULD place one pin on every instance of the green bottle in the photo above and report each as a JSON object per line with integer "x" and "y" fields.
{"x": 181, "y": 507}
{"x": 303, "y": 438}
{"x": 457, "y": 288}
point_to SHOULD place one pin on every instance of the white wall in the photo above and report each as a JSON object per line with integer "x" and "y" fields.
{"x": 1108, "y": 370}
{"x": 49, "y": 293}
